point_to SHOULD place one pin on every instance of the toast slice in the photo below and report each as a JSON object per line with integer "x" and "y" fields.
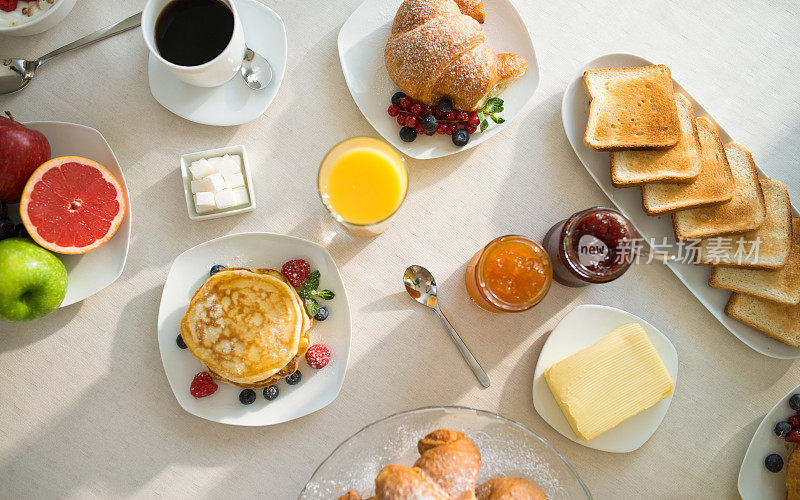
{"x": 778, "y": 285}
{"x": 779, "y": 321}
{"x": 680, "y": 163}
{"x": 631, "y": 108}
{"x": 713, "y": 186}
{"x": 764, "y": 248}
{"x": 744, "y": 212}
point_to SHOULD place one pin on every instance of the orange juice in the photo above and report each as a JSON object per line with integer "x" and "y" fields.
{"x": 363, "y": 181}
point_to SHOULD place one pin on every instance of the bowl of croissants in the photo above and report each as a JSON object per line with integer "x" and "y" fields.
{"x": 445, "y": 452}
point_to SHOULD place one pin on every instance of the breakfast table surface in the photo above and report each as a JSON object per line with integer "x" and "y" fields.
{"x": 86, "y": 407}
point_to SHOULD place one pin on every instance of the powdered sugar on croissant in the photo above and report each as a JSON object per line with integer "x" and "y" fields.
{"x": 437, "y": 49}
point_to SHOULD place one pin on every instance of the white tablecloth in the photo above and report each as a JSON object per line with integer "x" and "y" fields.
{"x": 86, "y": 409}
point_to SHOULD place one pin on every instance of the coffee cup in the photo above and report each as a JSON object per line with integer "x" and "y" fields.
{"x": 190, "y": 61}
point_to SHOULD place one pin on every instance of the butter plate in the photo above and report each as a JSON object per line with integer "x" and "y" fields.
{"x": 755, "y": 481}
{"x": 581, "y": 327}
{"x": 361, "y": 42}
{"x": 574, "y": 114}
{"x": 316, "y": 390}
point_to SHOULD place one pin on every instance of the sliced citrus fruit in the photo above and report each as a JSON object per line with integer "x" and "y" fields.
{"x": 72, "y": 205}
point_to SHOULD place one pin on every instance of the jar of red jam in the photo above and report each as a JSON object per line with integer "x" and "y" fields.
{"x": 510, "y": 274}
{"x": 592, "y": 246}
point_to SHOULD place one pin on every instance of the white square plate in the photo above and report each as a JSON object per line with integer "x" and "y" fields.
{"x": 90, "y": 272}
{"x": 362, "y": 40}
{"x": 755, "y": 481}
{"x": 186, "y": 177}
{"x": 316, "y": 390}
{"x": 575, "y": 113}
{"x": 583, "y": 326}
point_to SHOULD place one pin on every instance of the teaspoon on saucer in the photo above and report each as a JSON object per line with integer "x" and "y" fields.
{"x": 15, "y": 74}
{"x": 421, "y": 286}
{"x": 255, "y": 70}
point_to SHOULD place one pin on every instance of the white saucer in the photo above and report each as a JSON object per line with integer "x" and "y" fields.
{"x": 583, "y": 326}
{"x": 233, "y": 103}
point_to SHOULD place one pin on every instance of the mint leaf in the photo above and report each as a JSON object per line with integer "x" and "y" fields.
{"x": 493, "y": 105}
{"x": 325, "y": 294}
{"x": 497, "y": 119}
{"x": 312, "y": 282}
{"x": 312, "y": 307}
{"x": 484, "y": 123}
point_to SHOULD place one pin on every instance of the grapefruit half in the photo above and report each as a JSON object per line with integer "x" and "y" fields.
{"x": 72, "y": 205}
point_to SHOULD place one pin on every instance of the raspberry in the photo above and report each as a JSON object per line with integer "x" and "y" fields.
{"x": 471, "y": 129}
{"x": 401, "y": 119}
{"x": 426, "y": 110}
{"x": 451, "y": 128}
{"x": 793, "y": 437}
{"x": 296, "y": 271}
{"x": 393, "y": 110}
{"x": 202, "y": 385}
{"x": 8, "y": 5}
{"x": 474, "y": 119}
{"x": 438, "y": 113}
{"x": 406, "y": 102}
{"x": 451, "y": 116}
{"x": 411, "y": 121}
{"x": 794, "y": 421}
{"x": 462, "y": 116}
{"x": 442, "y": 129}
{"x": 318, "y": 356}
{"x": 420, "y": 129}
{"x": 416, "y": 109}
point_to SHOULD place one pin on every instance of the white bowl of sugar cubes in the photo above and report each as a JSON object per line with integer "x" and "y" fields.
{"x": 217, "y": 183}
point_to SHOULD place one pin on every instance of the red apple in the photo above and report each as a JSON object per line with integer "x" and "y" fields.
{"x": 22, "y": 150}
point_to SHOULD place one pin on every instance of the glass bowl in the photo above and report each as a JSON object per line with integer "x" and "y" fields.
{"x": 507, "y": 449}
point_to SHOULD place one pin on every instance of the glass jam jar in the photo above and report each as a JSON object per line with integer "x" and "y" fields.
{"x": 510, "y": 274}
{"x": 595, "y": 245}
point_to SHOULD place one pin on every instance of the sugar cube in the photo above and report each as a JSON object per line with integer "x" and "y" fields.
{"x": 201, "y": 169}
{"x": 234, "y": 181}
{"x": 225, "y": 164}
{"x": 225, "y": 199}
{"x": 204, "y": 201}
{"x": 217, "y": 183}
{"x": 201, "y": 185}
{"x": 240, "y": 196}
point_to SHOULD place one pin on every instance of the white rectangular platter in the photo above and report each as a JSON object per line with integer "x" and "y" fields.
{"x": 574, "y": 114}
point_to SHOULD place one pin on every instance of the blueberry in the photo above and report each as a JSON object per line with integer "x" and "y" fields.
{"x": 773, "y": 462}
{"x": 460, "y": 137}
{"x": 7, "y": 229}
{"x": 21, "y": 231}
{"x": 322, "y": 314}
{"x": 408, "y": 134}
{"x": 396, "y": 98}
{"x": 247, "y": 396}
{"x": 782, "y": 429}
{"x": 445, "y": 105}
{"x": 216, "y": 268}
{"x": 270, "y": 392}
{"x": 180, "y": 341}
{"x": 294, "y": 378}
{"x": 430, "y": 123}
{"x": 794, "y": 402}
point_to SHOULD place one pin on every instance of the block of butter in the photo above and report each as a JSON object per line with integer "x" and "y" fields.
{"x": 609, "y": 381}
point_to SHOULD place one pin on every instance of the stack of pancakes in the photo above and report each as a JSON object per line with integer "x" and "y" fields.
{"x": 248, "y": 327}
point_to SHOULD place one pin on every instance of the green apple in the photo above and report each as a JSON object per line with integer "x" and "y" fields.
{"x": 33, "y": 281}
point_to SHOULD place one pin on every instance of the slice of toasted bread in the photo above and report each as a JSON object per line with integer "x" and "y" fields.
{"x": 680, "y": 163}
{"x": 779, "y": 321}
{"x": 764, "y": 248}
{"x": 778, "y": 285}
{"x": 713, "y": 186}
{"x": 631, "y": 108}
{"x": 744, "y": 212}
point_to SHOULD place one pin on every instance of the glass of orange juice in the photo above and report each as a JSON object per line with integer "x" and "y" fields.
{"x": 362, "y": 182}
{"x": 510, "y": 274}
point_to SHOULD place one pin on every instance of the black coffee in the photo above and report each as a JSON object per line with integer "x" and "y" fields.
{"x": 193, "y": 32}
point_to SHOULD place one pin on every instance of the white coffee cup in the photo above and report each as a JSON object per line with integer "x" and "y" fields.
{"x": 211, "y": 74}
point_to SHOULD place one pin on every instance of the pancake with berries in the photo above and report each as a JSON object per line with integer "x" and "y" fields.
{"x": 248, "y": 327}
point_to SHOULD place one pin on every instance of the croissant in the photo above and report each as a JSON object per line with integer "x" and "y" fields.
{"x": 447, "y": 469}
{"x": 437, "y": 49}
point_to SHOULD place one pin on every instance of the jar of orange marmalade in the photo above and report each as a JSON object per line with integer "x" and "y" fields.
{"x": 510, "y": 274}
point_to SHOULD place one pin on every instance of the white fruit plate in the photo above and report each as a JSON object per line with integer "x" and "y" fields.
{"x": 361, "y": 42}
{"x": 316, "y": 390}
{"x": 755, "y": 481}
{"x": 90, "y": 272}
{"x": 582, "y": 327}
{"x": 574, "y": 113}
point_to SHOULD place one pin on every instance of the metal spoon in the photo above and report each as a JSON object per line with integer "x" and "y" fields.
{"x": 255, "y": 70}
{"x": 15, "y": 74}
{"x": 421, "y": 286}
